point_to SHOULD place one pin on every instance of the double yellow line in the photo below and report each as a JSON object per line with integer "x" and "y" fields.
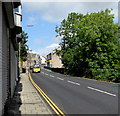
{"x": 48, "y": 100}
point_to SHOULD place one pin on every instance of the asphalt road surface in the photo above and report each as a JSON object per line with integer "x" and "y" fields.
{"x": 75, "y": 95}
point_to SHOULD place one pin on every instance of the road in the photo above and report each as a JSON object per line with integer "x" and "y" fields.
{"x": 75, "y": 95}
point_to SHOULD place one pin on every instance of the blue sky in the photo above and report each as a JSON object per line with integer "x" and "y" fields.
{"x": 45, "y": 17}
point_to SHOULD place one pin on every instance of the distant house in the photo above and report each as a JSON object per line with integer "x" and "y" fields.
{"x": 32, "y": 59}
{"x": 10, "y": 29}
{"x": 54, "y": 61}
{"x": 43, "y": 60}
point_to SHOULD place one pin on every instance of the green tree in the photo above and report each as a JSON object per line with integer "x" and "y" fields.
{"x": 23, "y": 47}
{"x": 89, "y": 45}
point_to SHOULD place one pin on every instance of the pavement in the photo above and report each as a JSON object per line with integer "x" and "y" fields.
{"x": 27, "y": 100}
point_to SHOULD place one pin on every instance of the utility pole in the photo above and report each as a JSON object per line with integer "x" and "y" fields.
{"x": 30, "y": 57}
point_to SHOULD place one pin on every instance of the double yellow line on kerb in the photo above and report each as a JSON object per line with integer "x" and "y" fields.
{"x": 48, "y": 100}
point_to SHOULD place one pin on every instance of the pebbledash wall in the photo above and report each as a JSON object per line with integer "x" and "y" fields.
{"x": 9, "y": 29}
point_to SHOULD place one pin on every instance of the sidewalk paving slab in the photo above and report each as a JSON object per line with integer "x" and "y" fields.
{"x": 27, "y": 100}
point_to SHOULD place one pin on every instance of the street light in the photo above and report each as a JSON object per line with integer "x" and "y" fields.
{"x": 29, "y": 25}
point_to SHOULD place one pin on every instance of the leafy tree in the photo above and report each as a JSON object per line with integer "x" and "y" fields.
{"x": 23, "y": 47}
{"x": 89, "y": 45}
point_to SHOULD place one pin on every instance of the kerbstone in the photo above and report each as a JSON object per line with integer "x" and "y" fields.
{"x": 32, "y": 102}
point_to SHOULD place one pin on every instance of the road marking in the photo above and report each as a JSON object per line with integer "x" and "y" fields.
{"x": 48, "y": 100}
{"x": 73, "y": 82}
{"x": 60, "y": 78}
{"x": 52, "y": 76}
{"x": 102, "y": 91}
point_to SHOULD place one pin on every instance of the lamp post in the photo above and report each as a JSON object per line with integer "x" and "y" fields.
{"x": 30, "y": 56}
{"x": 29, "y": 25}
{"x": 19, "y": 39}
{"x": 28, "y": 59}
{"x": 20, "y": 61}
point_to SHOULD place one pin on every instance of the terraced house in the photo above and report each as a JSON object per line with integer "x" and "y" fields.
{"x": 10, "y": 29}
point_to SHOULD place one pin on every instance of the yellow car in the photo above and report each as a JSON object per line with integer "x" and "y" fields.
{"x": 36, "y": 68}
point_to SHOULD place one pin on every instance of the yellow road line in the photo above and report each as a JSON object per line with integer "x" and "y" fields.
{"x": 49, "y": 101}
{"x": 44, "y": 96}
{"x": 46, "y": 99}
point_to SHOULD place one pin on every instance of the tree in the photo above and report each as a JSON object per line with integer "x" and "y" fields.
{"x": 23, "y": 47}
{"x": 23, "y": 50}
{"x": 89, "y": 45}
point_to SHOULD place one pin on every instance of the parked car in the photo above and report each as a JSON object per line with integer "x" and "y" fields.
{"x": 36, "y": 68}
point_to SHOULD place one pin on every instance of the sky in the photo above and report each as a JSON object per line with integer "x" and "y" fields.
{"x": 45, "y": 16}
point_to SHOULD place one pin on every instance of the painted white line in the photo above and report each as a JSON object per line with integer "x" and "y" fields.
{"x": 102, "y": 91}
{"x": 73, "y": 82}
{"x": 52, "y": 76}
{"x": 60, "y": 78}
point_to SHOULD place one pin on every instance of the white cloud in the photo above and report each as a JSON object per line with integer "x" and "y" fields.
{"x": 46, "y": 50}
{"x": 57, "y": 39}
{"x": 33, "y": 51}
{"x": 57, "y": 11}
{"x": 52, "y": 46}
{"x": 68, "y": 0}
{"x": 31, "y": 21}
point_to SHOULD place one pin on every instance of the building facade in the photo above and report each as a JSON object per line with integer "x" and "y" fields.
{"x": 54, "y": 61}
{"x": 10, "y": 28}
{"x": 33, "y": 58}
